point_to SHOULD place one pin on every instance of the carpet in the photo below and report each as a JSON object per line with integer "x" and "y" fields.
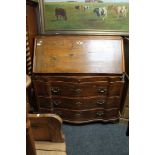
{"x": 96, "y": 139}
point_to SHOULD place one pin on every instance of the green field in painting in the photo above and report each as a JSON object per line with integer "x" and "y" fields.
{"x": 80, "y": 19}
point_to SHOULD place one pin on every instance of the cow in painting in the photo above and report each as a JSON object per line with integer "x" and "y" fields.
{"x": 100, "y": 12}
{"x": 121, "y": 11}
{"x": 118, "y": 10}
{"x": 60, "y": 12}
{"x": 77, "y": 7}
{"x": 86, "y": 7}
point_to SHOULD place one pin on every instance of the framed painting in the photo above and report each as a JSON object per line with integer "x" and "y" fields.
{"x": 99, "y": 17}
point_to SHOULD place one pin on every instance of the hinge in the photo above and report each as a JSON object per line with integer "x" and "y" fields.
{"x": 123, "y": 77}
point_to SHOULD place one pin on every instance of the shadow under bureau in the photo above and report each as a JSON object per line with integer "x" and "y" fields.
{"x": 80, "y": 78}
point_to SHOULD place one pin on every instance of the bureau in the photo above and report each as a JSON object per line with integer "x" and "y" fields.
{"x": 80, "y": 78}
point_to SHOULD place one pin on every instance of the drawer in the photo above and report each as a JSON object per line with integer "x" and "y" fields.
{"x": 86, "y": 102}
{"x": 77, "y": 86}
{"x": 87, "y": 115}
{"x": 79, "y": 90}
{"x": 86, "y": 89}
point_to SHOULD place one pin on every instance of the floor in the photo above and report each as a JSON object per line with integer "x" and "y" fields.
{"x": 96, "y": 139}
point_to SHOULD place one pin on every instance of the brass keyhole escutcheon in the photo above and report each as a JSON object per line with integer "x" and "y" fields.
{"x": 78, "y": 91}
{"x": 100, "y": 113}
{"x": 55, "y": 90}
{"x": 102, "y": 90}
{"x": 56, "y": 103}
{"x": 100, "y": 102}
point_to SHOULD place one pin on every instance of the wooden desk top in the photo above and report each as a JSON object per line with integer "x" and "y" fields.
{"x": 79, "y": 54}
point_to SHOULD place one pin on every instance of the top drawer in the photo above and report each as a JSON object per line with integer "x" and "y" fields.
{"x": 78, "y": 87}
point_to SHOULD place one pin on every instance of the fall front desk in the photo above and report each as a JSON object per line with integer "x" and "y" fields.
{"x": 80, "y": 78}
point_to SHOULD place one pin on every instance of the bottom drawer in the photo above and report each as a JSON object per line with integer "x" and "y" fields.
{"x": 76, "y": 116}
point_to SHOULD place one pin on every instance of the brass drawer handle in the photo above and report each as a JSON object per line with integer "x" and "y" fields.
{"x": 56, "y": 103}
{"x": 102, "y": 90}
{"x": 78, "y": 91}
{"x": 78, "y": 103}
{"x": 101, "y": 102}
{"x": 55, "y": 90}
{"x": 78, "y": 114}
{"x": 100, "y": 113}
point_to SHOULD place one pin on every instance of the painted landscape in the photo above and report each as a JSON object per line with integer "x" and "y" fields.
{"x": 86, "y": 15}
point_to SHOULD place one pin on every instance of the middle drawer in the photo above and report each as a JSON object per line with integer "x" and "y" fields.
{"x": 79, "y": 103}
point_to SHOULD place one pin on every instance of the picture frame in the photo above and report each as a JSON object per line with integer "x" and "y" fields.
{"x": 84, "y": 21}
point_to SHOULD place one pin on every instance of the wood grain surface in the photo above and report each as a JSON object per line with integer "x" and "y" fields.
{"x": 78, "y": 54}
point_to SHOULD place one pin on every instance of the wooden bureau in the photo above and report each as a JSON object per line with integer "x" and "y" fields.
{"x": 80, "y": 78}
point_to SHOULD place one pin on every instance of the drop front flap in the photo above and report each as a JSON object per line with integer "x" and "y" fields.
{"x": 78, "y": 54}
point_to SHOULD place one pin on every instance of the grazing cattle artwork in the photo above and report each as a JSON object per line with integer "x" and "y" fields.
{"x": 121, "y": 11}
{"x": 60, "y": 13}
{"x": 86, "y": 7}
{"x": 94, "y": 15}
{"x": 100, "y": 12}
{"x": 77, "y": 7}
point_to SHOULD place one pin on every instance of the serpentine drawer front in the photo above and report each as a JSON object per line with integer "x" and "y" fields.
{"x": 79, "y": 103}
{"x": 86, "y": 102}
{"x": 87, "y": 115}
{"x": 80, "y": 82}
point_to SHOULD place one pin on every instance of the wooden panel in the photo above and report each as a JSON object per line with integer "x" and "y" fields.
{"x": 78, "y": 54}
